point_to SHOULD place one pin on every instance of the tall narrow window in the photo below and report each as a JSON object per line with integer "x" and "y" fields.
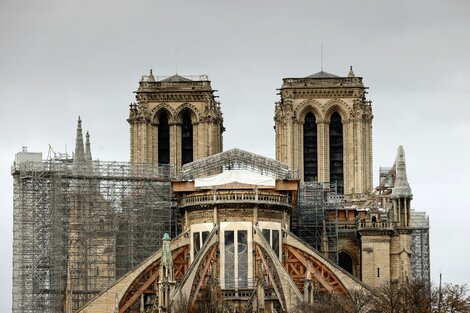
{"x": 163, "y": 140}
{"x": 242, "y": 258}
{"x": 336, "y": 152}
{"x": 236, "y": 259}
{"x": 229, "y": 259}
{"x": 310, "y": 148}
{"x": 199, "y": 238}
{"x": 196, "y": 242}
{"x": 267, "y": 234}
{"x": 272, "y": 237}
{"x": 275, "y": 241}
{"x": 187, "y": 139}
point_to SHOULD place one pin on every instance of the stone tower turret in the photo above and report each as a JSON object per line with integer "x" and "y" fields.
{"x": 87, "y": 147}
{"x": 79, "y": 155}
{"x": 176, "y": 120}
{"x": 166, "y": 281}
{"x": 401, "y": 192}
{"x": 400, "y": 254}
{"x": 323, "y": 126}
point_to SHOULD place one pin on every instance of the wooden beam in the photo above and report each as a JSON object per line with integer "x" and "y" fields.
{"x": 136, "y": 295}
{"x": 208, "y": 259}
{"x": 318, "y": 274}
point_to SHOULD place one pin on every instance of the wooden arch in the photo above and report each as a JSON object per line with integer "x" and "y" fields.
{"x": 205, "y": 270}
{"x": 147, "y": 281}
{"x": 299, "y": 264}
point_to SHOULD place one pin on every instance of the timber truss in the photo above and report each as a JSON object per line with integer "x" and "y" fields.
{"x": 146, "y": 283}
{"x": 298, "y": 276}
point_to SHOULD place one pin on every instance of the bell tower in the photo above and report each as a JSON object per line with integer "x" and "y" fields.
{"x": 323, "y": 126}
{"x": 175, "y": 120}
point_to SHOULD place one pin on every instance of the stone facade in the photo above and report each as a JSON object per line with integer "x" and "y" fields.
{"x": 323, "y": 94}
{"x": 373, "y": 242}
{"x": 236, "y": 247}
{"x": 238, "y": 240}
{"x": 175, "y": 97}
{"x": 374, "y": 233}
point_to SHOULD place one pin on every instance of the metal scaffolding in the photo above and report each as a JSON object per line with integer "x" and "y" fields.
{"x": 316, "y": 219}
{"x": 420, "y": 259}
{"x": 236, "y": 159}
{"x": 80, "y": 226}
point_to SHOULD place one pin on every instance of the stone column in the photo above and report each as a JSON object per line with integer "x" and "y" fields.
{"x": 348, "y": 157}
{"x": 323, "y": 148}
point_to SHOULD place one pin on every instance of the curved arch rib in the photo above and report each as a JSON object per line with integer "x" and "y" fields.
{"x": 286, "y": 285}
{"x": 186, "y": 285}
{"x": 145, "y": 282}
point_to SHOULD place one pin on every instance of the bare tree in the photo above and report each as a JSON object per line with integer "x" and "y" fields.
{"x": 387, "y": 299}
{"x": 416, "y": 297}
{"x": 362, "y": 299}
{"x": 328, "y": 303}
{"x": 406, "y": 297}
{"x": 454, "y": 298}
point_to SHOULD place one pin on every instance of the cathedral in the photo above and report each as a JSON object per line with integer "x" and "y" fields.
{"x": 265, "y": 235}
{"x": 185, "y": 223}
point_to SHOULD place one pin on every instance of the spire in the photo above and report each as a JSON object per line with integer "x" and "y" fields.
{"x": 402, "y": 188}
{"x": 166, "y": 261}
{"x": 151, "y": 78}
{"x": 87, "y": 147}
{"x": 166, "y": 282}
{"x": 79, "y": 151}
{"x": 351, "y": 73}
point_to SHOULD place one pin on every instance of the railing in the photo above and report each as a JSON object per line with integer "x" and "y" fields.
{"x": 159, "y": 78}
{"x": 376, "y": 225}
{"x": 347, "y": 226}
{"x": 235, "y": 197}
{"x": 323, "y": 82}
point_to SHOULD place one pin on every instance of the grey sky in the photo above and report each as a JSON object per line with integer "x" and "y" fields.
{"x": 60, "y": 59}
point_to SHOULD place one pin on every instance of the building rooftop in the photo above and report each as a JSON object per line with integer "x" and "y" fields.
{"x": 322, "y": 74}
{"x": 176, "y": 78}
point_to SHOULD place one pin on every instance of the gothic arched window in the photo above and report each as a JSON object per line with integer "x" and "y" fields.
{"x": 345, "y": 261}
{"x": 236, "y": 259}
{"x": 186, "y": 139}
{"x": 336, "y": 152}
{"x": 310, "y": 148}
{"x": 163, "y": 139}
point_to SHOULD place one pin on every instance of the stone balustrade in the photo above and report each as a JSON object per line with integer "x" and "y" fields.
{"x": 376, "y": 225}
{"x": 241, "y": 196}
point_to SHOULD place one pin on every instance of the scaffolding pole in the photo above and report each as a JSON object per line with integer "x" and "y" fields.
{"x": 316, "y": 219}
{"x": 80, "y": 226}
{"x": 420, "y": 258}
{"x": 236, "y": 159}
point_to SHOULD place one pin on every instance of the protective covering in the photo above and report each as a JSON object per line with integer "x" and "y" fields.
{"x": 235, "y": 176}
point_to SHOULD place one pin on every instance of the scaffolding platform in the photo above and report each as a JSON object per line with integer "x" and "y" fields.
{"x": 420, "y": 258}
{"x": 78, "y": 227}
{"x": 316, "y": 219}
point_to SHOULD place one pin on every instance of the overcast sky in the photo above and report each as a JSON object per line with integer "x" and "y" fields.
{"x": 60, "y": 59}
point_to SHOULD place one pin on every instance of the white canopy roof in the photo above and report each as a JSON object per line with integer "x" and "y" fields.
{"x": 235, "y": 176}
